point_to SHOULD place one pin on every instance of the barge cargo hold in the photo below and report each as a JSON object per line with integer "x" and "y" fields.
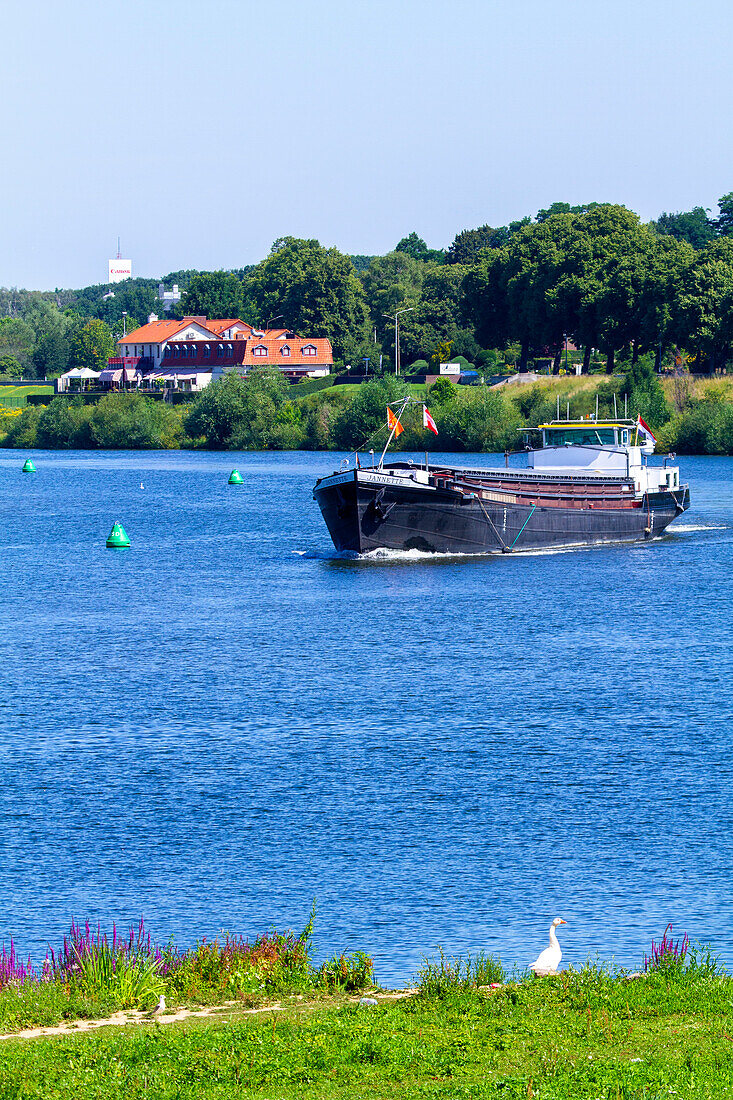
{"x": 587, "y": 484}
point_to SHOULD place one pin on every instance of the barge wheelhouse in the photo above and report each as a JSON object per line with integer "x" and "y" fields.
{"x": 588, "y": 483}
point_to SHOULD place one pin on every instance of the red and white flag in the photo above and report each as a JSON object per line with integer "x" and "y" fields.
{"x": 644, "y": 427}
{"x": 428, "y": 422}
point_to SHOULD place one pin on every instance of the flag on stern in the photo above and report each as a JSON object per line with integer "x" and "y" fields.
{"x": 642, "y": 426}
{"x": 427, "y": 421}
{"x": 393, "y": 422}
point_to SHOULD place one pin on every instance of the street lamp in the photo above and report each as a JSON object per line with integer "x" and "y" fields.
{"x": 278, "y": 317}
{"x": 399, "y": 313}
{"x": 124, "y": 322}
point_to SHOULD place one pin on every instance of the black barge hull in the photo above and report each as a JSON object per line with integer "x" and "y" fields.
{"x": 363, "y": 515}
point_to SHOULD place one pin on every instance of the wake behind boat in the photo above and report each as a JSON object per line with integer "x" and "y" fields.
{"x": 588, "y": 483}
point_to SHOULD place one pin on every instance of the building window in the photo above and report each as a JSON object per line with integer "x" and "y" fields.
{"x": 177, "y": 351}
{"x": 260, "y": 350}
{"x": 219, "y": 350}
{"x": 285, "y": 350}
{"x": 230, "y": 351}
{"x": 207, "y": 351}
{"x": 309, "y": 349}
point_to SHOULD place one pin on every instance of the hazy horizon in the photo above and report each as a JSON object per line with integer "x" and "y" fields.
{"x": 200, "y": 142}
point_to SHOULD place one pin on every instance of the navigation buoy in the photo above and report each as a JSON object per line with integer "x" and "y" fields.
{"x": 235, "y": 478}
{"x": 28, "y": 467}
{"x": 117, "y": 538}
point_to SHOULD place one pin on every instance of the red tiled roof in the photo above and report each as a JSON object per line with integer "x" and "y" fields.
{"x": 274, "y": 357}
{"x": 155, "y": 332}
{"x": 220, "y": 325}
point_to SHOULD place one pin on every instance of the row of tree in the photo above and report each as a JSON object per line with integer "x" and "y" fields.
{"x": 592, "y": 274}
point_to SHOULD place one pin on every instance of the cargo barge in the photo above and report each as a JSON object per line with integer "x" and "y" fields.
{"x": 588, "y": 483}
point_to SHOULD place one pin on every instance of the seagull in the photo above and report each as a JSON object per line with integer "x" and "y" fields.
{"x": 160, "y": 1007}
{"x": 549, "y": 959}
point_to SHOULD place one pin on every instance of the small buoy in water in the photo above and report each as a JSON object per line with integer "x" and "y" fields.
{"x": 28, "y": 467}
{"x": 117, "y": 538}
{"x": 235, "y": 478}
{"x": 141, "y": 485}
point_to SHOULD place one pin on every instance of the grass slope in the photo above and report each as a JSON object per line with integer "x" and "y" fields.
{"x": 575, "y": 1037}
{"x": 14, "y": 397}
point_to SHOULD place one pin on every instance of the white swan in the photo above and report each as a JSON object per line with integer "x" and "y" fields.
{"x": 549, "y": 959}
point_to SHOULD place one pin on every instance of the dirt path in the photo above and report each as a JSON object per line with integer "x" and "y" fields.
{"x": 131, "y": 1016}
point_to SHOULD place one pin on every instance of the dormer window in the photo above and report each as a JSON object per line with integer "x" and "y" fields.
{"x": 285, "y": 350}
{"x": 309, "y": 349}
{"x": 260, "y": 350}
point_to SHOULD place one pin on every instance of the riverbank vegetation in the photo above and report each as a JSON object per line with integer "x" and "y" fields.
{"x": 94, "y": 974}
{"x": 589, "y": 1033}
{"x": 262, "y": 412}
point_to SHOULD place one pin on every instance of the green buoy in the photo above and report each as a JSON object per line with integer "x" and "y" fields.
{"x": 235, "y": 478}
{"x": 28, "y": 467}
{"x": 117, "y": 538}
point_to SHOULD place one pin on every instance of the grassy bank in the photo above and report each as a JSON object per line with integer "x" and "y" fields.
{"x": 583, "y": 1034}
{"x": 15, "y": 397}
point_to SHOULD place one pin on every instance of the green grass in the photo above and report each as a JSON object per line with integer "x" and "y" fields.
{"x": 578, "y": 1036}
{"x": 14, "y": 397}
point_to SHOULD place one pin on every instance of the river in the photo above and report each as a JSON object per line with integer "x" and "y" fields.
{"x": 228, "y": 720}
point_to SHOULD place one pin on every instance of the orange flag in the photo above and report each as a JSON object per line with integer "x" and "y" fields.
{"x": 393, "y": 422}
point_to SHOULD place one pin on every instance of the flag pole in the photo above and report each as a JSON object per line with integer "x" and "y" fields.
{"x": 405, "y": 403}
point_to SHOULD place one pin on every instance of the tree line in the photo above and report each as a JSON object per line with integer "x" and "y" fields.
{"x": 595, "y": 275}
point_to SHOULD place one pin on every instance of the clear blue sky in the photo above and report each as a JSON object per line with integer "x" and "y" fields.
{"x": 202, "y": 132}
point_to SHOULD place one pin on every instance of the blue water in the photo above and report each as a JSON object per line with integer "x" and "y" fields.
{"x": 228, "y": 720}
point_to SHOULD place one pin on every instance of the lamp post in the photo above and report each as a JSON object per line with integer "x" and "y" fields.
{"x": 124, "y": 322}
{"x": 398, "y": 314}
{"x": 278, "y": 317}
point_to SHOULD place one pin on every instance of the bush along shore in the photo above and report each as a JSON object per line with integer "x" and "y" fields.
{"x": 466, "y": 1030}
{"x": 262, "y": 412}
{"x": 94, "y": 974}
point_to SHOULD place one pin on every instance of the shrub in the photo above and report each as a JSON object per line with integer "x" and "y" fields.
{"x": 668, "y": 954}
{"x": 347, "y": 973}
{"x": 438, "y": 977}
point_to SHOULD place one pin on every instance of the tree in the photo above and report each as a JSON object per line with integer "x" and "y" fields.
{"x": 246, "y": 412}
{"x": 483, "y": 300}
{"x": 362, "y": 418}
{"x": 724, "y": 221}
{"x": 564, "y": 208}
{"x": 646, "y": 396}
{"x": 314, "y": 289}
{"x": 51, "y": 354}
{"x": 415, "y": 246}
{"x": 91, "y": 345}
{"x": 10, "y": 367}
{"x": 693, "y": 226}
{"x": 214, "y": 294}
{"x": 469, "y": 243}
{"x": 707, "y": 302}
{"x": 16, "y": 340}
{"x": 392, "y": 282}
